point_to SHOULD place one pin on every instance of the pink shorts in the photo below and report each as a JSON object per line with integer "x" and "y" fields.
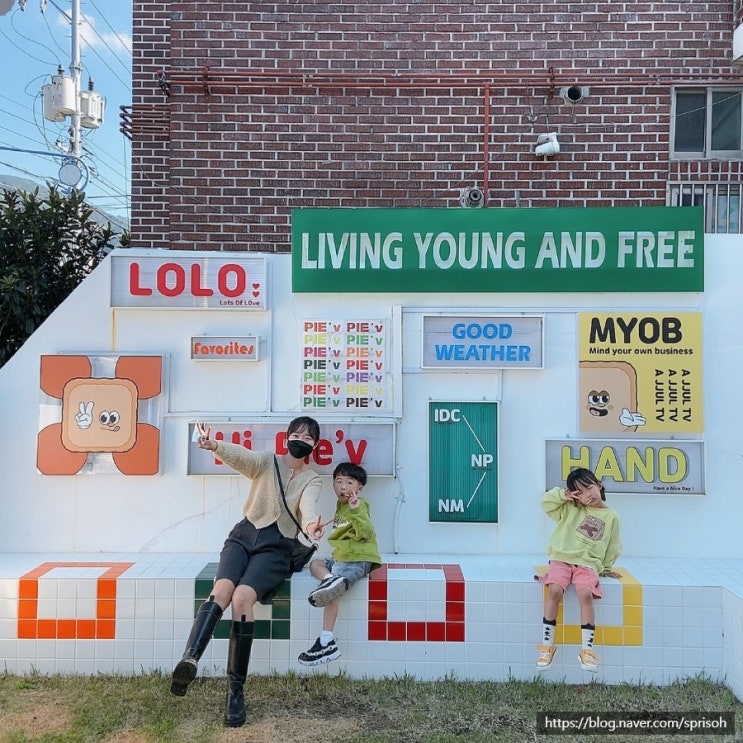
{"x": 564, "y": 574}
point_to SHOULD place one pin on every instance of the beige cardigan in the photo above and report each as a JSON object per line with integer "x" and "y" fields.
{"x": 264, "y": 506}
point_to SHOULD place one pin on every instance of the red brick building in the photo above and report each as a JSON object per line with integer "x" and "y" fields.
{"x": 243, "y": 111}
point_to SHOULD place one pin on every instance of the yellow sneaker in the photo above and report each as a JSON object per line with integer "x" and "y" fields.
{"x": 546, "y": 654}
{"x": 589, "y": 661}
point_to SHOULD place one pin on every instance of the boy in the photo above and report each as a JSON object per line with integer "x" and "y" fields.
{"x": 584, "y": 546}
{"x": 355, "y": 555}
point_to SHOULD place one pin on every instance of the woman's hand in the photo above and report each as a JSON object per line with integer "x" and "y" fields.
{"x": 317, "y": 528}
{"x": 203, "y": 441}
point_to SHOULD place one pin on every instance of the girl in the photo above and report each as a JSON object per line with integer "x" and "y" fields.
{"x": 584, "y": 545}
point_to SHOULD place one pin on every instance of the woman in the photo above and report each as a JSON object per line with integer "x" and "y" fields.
{"x": 256, "y": 555}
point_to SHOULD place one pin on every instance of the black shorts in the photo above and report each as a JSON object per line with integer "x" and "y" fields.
{"x": 258, "y": 558}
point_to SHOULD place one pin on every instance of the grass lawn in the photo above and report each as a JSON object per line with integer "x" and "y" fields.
{"x": 318, "y": 707}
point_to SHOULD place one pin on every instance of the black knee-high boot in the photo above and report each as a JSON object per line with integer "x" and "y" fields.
{"x": 201, "y": 632}
{"x": 238, "y": 657}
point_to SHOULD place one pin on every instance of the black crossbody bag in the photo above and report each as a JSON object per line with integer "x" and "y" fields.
{"x": 302, "y": 552}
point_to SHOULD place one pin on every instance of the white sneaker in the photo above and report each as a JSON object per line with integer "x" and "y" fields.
{"x": 589, "y": 661}
{"x": 329, "y": 589}
{"x": 319, "y": 654}
{"x": 546, "y": 654}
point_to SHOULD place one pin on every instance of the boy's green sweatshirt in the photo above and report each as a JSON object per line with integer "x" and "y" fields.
{"x": 583, "y": 536}
{"x": 353, "y": 538}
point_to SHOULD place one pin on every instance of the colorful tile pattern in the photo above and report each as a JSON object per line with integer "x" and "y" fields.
{"x": 275, "y": 628}
{"x": 628, "y": 633}
{"x": 99, "y": 627}
{"x": 451, "y": 629}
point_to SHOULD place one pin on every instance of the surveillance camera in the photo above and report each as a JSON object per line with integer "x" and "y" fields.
{"x": 573, "y": 94}
{"x": 547, "y": 145}
{"x": 472, "y": 198}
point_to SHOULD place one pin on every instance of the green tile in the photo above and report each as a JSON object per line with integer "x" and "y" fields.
{"x": 203, "y": 588}
{"x": 280, "y": 630}
{"x": 262, "y": 630}
{"x": 281, "y": 609}
{"x": 278, "y": 627}
{"x": 222, "y": 630}
{"x": 284, "y": 590}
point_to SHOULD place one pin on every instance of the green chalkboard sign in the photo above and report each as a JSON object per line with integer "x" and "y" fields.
{"x": 463, "y": 461}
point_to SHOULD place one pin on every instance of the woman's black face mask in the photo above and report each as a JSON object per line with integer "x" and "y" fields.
{"x": 299, "y": 449}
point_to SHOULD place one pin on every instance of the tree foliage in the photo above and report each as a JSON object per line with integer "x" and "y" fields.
{"x": 47, "y": 247}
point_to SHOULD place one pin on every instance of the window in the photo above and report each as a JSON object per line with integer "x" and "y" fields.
{"x": 721, "y": 202}
{"x": 707, "y": 124}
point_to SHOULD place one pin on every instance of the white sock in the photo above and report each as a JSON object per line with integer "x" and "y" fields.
{"x": 587, "y": 631}
{"x": 548, "y": 632}
{"x": 325, "y": 638}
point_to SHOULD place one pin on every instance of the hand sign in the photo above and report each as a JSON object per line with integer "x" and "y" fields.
{"x": 631, "y": 419}
{"x": 318, "y": 529}
{"x": 85, "y": 417}
{"x": 201, "y": 436}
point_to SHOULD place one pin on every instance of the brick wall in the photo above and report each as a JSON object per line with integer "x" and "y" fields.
{"x": 279, "y": 105}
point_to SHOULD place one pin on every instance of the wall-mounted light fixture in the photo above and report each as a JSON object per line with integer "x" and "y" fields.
{"x": 471, "y": 198}
{"x": 573, "y": 94}
{"x": 547, "y": 145}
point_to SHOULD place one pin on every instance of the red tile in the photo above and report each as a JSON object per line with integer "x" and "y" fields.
{"x": 400, "y": 631}
{"x": 416, "y": 631}
{"x": 455, "y": 631}
{"x": 454, "y": 591}
{"x": 396, "y": 631}
{"x": 377, "y": 610}
{"x": 435, "y": 632}
{"x": 454, "y": 611}
{"x": 377, "y": 631}
{"x": 378, "y": 590}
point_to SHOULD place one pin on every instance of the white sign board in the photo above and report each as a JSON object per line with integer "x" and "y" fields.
{"x": 370, "y": 445}
{"x": 227, "y": 281}
{"x": 670, "y": 467}
{"x": 482, "y": 342}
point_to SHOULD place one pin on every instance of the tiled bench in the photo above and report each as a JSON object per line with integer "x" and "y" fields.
{"x": 429, "y": 616}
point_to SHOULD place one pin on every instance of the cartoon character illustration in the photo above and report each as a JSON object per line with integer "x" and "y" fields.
{"x": 608, "y": 397}
{"x": 99, "y": 414}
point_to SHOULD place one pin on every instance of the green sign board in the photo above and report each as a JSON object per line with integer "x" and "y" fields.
{"x": 463, "y": 461}
{"x": 617, "y": 249}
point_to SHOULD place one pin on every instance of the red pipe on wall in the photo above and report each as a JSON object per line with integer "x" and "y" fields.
{"x": 210, "y": 80}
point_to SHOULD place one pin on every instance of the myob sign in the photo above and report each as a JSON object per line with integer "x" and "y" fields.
{"x": 619, "y": 249}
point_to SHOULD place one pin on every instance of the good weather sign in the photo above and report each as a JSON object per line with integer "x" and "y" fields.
{"x": 463, "y": 461}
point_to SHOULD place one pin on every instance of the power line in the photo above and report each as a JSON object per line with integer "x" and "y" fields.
{"x": 29, "y": 44}
{"x": 112, "y": 29}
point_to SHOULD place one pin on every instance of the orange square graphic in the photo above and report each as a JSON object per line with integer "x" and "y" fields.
{"x": 102, "y": 627}
{"x": 99, "y": 415}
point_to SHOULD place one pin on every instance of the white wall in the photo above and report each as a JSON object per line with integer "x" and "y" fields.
{"x": 174, "y": 512}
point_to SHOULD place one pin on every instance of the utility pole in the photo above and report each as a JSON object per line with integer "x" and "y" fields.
{"x": 63, "y": 97}
{"x": 76, "y": 72}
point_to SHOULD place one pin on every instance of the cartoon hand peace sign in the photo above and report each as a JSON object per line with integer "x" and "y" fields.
{"x": 84, "y": 418}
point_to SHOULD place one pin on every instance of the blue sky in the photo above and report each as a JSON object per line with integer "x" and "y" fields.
{"x": 33, "y": 44}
